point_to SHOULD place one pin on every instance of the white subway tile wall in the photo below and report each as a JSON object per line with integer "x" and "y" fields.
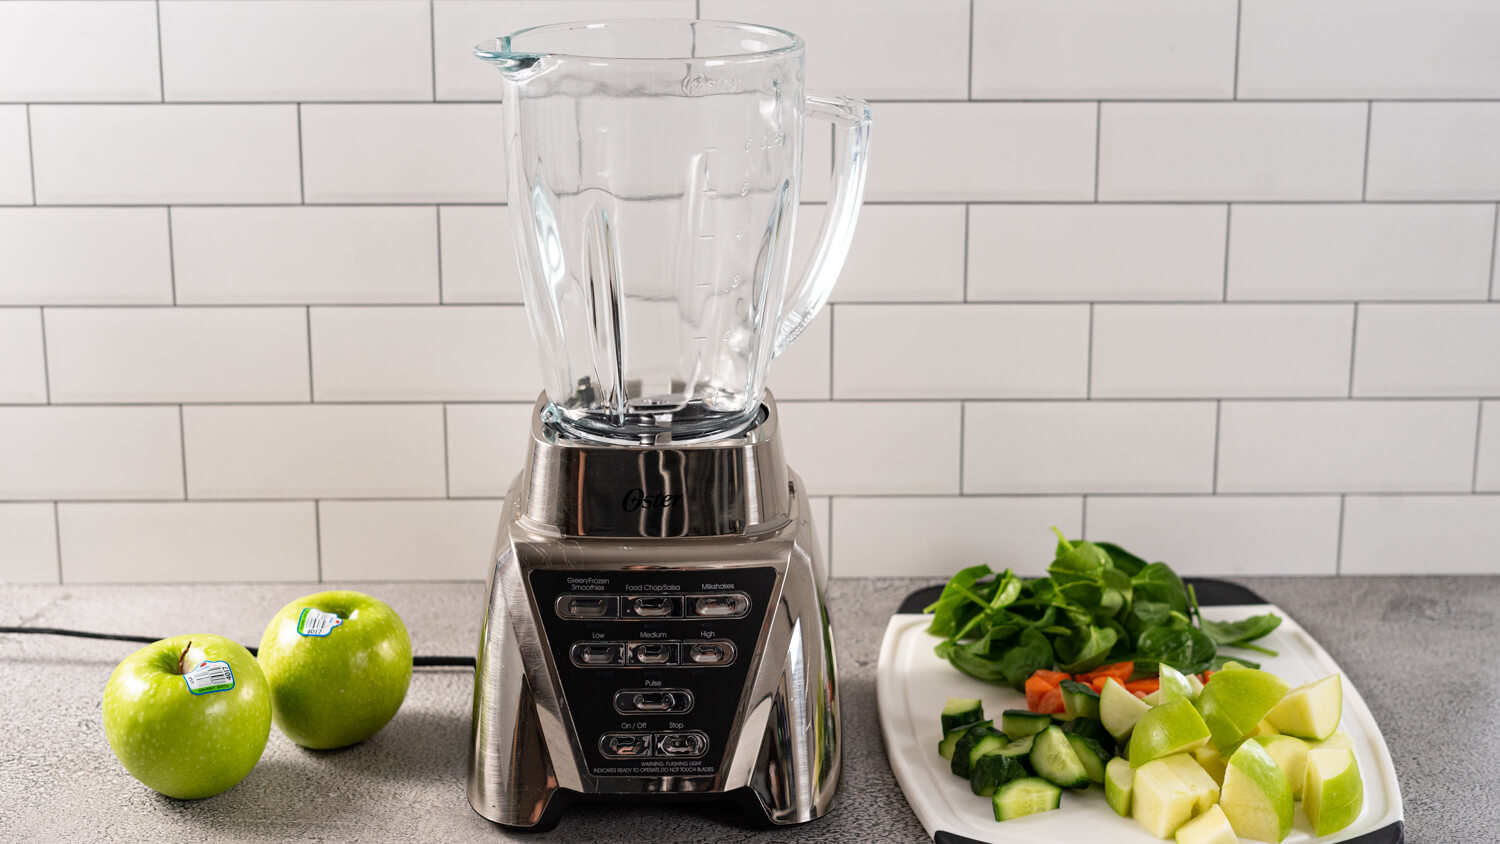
{"x": 1211, "y": 278}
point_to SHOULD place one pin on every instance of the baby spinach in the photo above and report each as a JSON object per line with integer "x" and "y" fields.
{"x": 1098, "y": 603}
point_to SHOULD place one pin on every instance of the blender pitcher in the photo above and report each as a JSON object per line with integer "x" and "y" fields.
{"x": 654, "y": 168}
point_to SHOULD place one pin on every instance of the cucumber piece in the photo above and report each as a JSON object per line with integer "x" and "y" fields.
{"x": 950, "y": 741}
{"x": 1028, "y": 796}
{"x": 1079, "y": 701}
{"x": 1053, "y": 757}
{"x": 989, "y": 743}
{"x": 961, "y": 712}
{"x": 992, "y": 771}
{"x": 1118, "y": 780}
{"x": 959, "y": 764}
{"x": 1020, "y": 748}
{"x": 1091, "y": 729}
{"x": 1019, "y": 723}
{"x": 1092, "y": 754}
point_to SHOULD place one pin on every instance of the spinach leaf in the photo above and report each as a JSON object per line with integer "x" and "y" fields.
{"x": 1186, "y": 649}
{"x": 1244, "y": 630}
{"x": 1221, "y": 659}
{"x": 1079, "y": 653}
{"x": 1122, "y": 559}
{"x": 1031, "y": 653}
{"x": 1157, "y": 582}
{"x": 957, "y": 594}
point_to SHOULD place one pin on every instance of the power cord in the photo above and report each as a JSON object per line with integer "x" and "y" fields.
{"x": 416, "y": 661}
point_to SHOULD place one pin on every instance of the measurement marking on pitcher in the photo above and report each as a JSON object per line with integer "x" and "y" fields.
{"x": 705, "y": 237}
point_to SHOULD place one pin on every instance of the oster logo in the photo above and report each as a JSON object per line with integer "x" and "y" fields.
{"x": 637, "y": 499}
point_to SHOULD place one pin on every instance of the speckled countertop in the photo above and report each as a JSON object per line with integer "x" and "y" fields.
{"x": 1425, "y": 653}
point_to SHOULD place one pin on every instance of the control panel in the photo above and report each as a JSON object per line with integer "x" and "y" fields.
{"x": 653, "y": 663}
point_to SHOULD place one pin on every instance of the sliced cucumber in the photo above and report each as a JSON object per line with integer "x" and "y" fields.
{"x": 1028, "y": 796}
{"x": 950, "y": 741}
{"x": 962, "y": 711}
{"x": 1090, "y": 728}
{"x": 1053, "y": 757}
{"x": 1079, "y": 701}
{"x": 1118, "y": 780}
{"x": 1020, "y": 748}
{"x": 1092, "y": 754}
{"x": 987, "y": 744}
{"x": 972, "y": 734}
{"x": 992, "y": 771}
{"x": 1019, "y": 723}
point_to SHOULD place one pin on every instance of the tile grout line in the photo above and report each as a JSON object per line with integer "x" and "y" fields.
{"x": 1088, "y": 386}
{"x": 967, "y": 225}
{"x": 898, "y": 203}
{"x": 447, "y": 482}
{"x": 1228, "y": 230}
{"x": 832, "y": 314}
{"x": 1083, "y": 519}
{"x": 1353, "y": 347}
{"x": 1079, "y": 100}
{"x": 1494, "y": 245}
{"x": 1239, "y": 11}
{"x": 866, "y": 303}
{"x": 1338, "y": 554}
{"x": 963, "y": 420}
{"x": 1364, "y": 183}
{"x": 311, "y": 396}
{"x": 431, "y": 45}
{"x": 1478, "y": 433}
{"x": 161, "y": 61}
{"x": 301, "y": 169}
{"x": 171, "y": 257}
{"x": 969, "y": 79}
{"x": 31, "y": 153}
{"x": 437, "y": 213}
{"x": 1218, "y": 427}
{"x": 41, "y": 314}
{"x": 1098, "y": 144}
{"x": 182, "y": 447}
{"x": 318, "y": 534}
{"x": 57, "y": 541}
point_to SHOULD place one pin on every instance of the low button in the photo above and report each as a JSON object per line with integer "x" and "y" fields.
{"x": 727, "y": 605}
{"x": 598, "y": 653}
{"x": 632, "y": 701}
{"x": 708, "y": 653}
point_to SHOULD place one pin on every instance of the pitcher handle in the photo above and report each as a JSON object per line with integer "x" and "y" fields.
{"x": 851, "y": 150}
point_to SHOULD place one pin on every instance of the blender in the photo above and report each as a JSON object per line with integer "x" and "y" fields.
{"x": 655, "y": 626}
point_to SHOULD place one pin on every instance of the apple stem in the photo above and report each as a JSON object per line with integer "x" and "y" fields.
{"x": 182, "y": 656}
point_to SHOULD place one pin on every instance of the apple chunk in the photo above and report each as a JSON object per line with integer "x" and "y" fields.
{"x": 1333, "y": 793}
{"x": 1311, "y": 711}
{"x": 1174, "y": 727}
{"x": 1257, "y": 798}
{"x": 1159, "y": 800}
{"x": 1211, "y": 827}
{"x": 1290, "y": 755}
{"x": 1234, "y": 702}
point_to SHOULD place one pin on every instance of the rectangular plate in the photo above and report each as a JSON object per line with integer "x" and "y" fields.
{"x": 913, "y": 684}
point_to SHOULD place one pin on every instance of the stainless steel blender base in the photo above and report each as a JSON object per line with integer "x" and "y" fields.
{"x": 655, "y": 628}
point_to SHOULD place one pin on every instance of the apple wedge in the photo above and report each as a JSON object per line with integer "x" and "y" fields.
{"x": 1159, "y": 800}
{"x": 1333, "y": 793}
{"x": 1120, "y": 710}
{"x": 1256, "y": 798}
{"x": 1174, "y": 727}
{"x": 1234, "y": 702}
{"x": 1290, "y": 755}
{"x": 1311, "y": 711}
{"x": 1211, "y": 827}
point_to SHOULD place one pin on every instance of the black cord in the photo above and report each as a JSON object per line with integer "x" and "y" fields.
{"x": 416, "y": 661}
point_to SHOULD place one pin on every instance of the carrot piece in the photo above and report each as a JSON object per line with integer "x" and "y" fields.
{"x": 1051, "y": 702}
{"x": 1120, "y": 671}
{"x": 1097, "y": 684}
{"x": 1146, "y": 686}
{"x": 1053, "y": 678}
{"x": 1035, "y": 688}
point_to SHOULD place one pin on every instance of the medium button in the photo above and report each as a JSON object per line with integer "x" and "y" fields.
{"x": 647, "y": 701}
{"x": 585, "y": 606}
{"x": 727, "y": 605}
{"x": 625, "y": 745}
{"x": 681, "y": 745}
{"x": 708, "y": 653}
{"x": 653, "y": 653}
{"x": 652, "y": 606}
{"x": 598, "y": 653}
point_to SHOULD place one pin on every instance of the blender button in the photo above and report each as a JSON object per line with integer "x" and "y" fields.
{"x": 624, "y": 745}
{"x": 681, "y": 744}
{"x": 653, "y": 653}
{"x": 598, "y": 653}
{"x": 585, "y": 606}
{"x": 727, "y": 605}
{"x": 654, "y": 606}
{"x": 709, "y": 653}
{"x": 629, "y": 701}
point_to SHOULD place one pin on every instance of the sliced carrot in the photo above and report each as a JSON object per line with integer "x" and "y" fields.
{"x": 1051, "y": 702}
{"x": 1120, "y": 671}
{"x": 1205, "y": 675}
{"x": 1146, "y": 686}
{"x": 1097, "y": 684}
{"x": 1035, "y": 688}
{"x": 1053, "y": 678}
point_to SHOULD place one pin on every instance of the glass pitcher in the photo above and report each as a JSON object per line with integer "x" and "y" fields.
{"x": 653, "y": 169}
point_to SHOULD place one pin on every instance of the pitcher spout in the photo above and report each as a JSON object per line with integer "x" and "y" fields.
{"x": 513, "y": 64}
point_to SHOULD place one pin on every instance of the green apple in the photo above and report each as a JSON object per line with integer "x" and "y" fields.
{"x": 1234, "y": 702}
{"x": 1211, "y": 827}
{"x": 188, "y": 716}
{"x": 1211, "y": 761}
{"x": 1174, "y": 686}
{"x": 1290, "y": 755}
{"x": 338, "y": 664}
{"x": 1196, "y": 778}
{"x": 1117, "y": 786}
{"x": 1174, "y": 727}
{"x": 1340, "y": 740}
{"x": 1333, "y": 794}
{"x": 1257, "y": 798}
{"x": 1311, "y": 711}
{"x": 1159, "y": 799}
{"x": 1119, "y": 709}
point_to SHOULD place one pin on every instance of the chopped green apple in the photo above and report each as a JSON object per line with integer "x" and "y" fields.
{"x": 1290, "y": 755}
{"x": 1234, "y": 702}
{"x": 1159, "y": 799}
{"x": 1197, "y": 779}
{"x": 1174, "y": 686}
{"x": 1196, "y": 684}
{"x": 1210, "y": 760}
{"x": 1256, "y": 798}
{"x": 1333, "y": 793}
{"x": 1119, "y": 709}
{"x": 1153, "y": 699}
{"x": 1340, "y": 740}
{"x": 1117, "y": 786}
{"x": 1174, "y": 727}
{"x": 1211, "y": 827}
{"x": 1311, "y": 711}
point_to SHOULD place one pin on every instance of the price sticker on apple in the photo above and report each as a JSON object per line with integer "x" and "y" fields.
{"x": 213, "y": 675}
{"x": 316, "y": 622}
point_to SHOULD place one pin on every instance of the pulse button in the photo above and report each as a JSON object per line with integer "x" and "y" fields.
{"x": 647, "y": 701}
{"x": 727, "y": 605}
{"x": 708, "y": 653}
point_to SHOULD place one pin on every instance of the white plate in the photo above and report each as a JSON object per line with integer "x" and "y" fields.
{"x": 913, "y": 684}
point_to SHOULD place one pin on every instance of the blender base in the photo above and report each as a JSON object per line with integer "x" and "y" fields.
{"x": 655, "y": 630}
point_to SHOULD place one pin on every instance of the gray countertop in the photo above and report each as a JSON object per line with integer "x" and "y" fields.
{"x": 1424, "y": 652}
